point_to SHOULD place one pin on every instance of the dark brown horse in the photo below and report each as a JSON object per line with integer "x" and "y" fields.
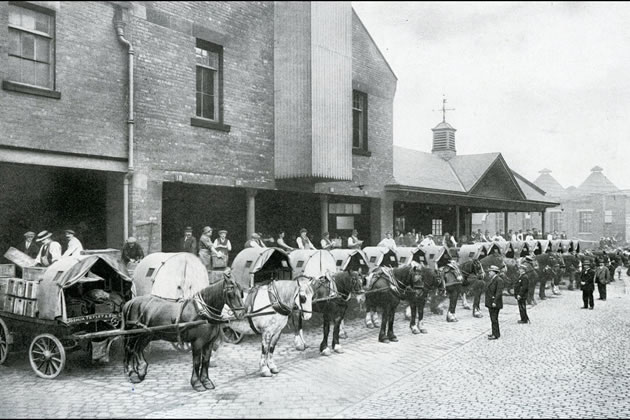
{"x": 148, "y": 311}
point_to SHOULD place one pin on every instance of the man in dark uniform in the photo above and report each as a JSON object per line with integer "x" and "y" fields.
{"x": 602, "y": 278}
{"x": 189, "y": 243}
{"x": 494, "y": 299}
{"x": 29, "y": 246}
{"x": 521, "y": 291}
{"x": 587, "y": 284}
{"x": 532, "y": 276}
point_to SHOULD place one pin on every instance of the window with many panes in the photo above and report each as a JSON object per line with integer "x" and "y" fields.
{"x": 586, "y": 221}
{"x": 31, "y": 46}
{"x": 436, "y": 227}
{"x": 359, "y": 120}
{"x": 209, "y": 73}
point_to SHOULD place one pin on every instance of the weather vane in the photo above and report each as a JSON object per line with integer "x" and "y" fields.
{"x": 444, "y": 109}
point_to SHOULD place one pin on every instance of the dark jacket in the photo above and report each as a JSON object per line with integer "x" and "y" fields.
{"x": 602, "y": 275}
{"x": 189, "y": 245}
{"x": 134, "y": 252}
{"x": 521, "y": 288}
{"x": 587, "y": 280}
{"x": 32, "y": 250}
{"x": 494, "y": 293}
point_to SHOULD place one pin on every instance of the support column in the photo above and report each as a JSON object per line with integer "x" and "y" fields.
{"x": 251, "y": 211}
{"x": 506, "y": 224}
{"x": 542, "y": 224}
{"x": 323, "y": 215}
{"x": 457, "y": 231}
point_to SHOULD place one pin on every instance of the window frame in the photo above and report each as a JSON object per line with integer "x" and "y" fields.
{"x": 582, "y": 224}
{"x": 363, "y": 148}
{"x": 199, "y": 120}
{"x": 23, "y": 87}
{"x": 436, "y": 227}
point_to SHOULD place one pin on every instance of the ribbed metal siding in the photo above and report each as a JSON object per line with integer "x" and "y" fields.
{"x": 331, "y": 25}
{"x": 292, "y": 90}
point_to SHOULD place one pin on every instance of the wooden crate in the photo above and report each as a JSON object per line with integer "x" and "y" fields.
{"x": 11, "y": 288}
{"x": 9, "y": 301}
{"x": 19, "y": 288}
{"x": 4, "y": 286}
{"x": 30, "y": 290}
{"x": 7, "y": 270}
{"x": 31, "y": 308}
{"x": 19, "y": 306}
{"x": 33, "y": 273}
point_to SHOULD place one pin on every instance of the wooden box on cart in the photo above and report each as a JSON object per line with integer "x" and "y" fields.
{"x": 7, "y": 270}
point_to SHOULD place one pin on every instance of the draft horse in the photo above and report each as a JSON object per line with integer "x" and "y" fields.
{"x": 389, "y": 285}
{"x": 456, "y": 278}
{"x": 267, "y": 311}
{"x": 331, "y": 294}
{"x": 147, "y": 312}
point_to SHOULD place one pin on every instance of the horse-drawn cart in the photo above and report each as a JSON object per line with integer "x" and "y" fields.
{"x": 380, "y": 256}
{"x": 75, "y": 303}
{"x": 350, "y": 259}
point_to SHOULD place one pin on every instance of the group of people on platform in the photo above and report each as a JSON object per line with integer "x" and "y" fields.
{"x": 213, "y": 254}
{"x": 45, "y": 250}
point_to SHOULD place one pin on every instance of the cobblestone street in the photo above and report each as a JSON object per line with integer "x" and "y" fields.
{"x": 567, "y": 363}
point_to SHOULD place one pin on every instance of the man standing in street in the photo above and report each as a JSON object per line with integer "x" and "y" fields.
{"x": 494, "y": 300}
{"x": 189, "y": 243}
{"x": 602, "y": 277}
{"x": 587, "y": 284}
{"x": 521, "y": 292}
{"x": 50, "y": 250}
{"x": 74, "y": 245}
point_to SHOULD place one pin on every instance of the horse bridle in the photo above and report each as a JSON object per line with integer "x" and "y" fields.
{"x": 209, "y": 312}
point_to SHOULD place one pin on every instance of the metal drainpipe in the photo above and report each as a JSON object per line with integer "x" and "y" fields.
{"x": 119, "y": 25}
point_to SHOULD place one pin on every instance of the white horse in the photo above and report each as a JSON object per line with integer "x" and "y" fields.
{"x": 268, "y": 308}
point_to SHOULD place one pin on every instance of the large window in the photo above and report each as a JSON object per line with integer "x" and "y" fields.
{"x": 555, "y": 221}
{"x": 359, "y": 121}
{"x": 436, "y": 227}
{"x": 586, "y": 221}
{"x": 209, "y": 74}
{"x": 31, "y": 46}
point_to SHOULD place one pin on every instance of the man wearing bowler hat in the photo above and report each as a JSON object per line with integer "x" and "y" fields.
{"x": 74, "y": 245}
{"x": 50, "y": 250}
{"x": 494, "y": 300}
{"x": 29, "y": 246}
{"x": 189, "y": 243}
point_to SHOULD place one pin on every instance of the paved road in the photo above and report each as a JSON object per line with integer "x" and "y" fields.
{"x": 567, "y": 363}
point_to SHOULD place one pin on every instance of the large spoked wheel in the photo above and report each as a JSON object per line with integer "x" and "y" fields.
{"x": 47, "y": 356}
{"x": 183, "y": 347}
{"x": 4, "y": 341}
{"x": 230, "y": 335}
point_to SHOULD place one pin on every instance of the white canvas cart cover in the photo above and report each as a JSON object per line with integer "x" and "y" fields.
{"x": 350, "y": 259}
{"x": 544, "y": 246}
{"x": 555, "y": 245}
{"x": 312, "y": 262}
{"x": 534, "y": 246}
{"x": 469, "y": 252}
{"x": 491, "y": 246}
{"x": 405, "y": 254}
{"x": 170, "y": 275}
{"x": 521, "y": 249}
{"x": 507, "y": 250}
{"x": 380, "y": 256}
{"x": 252, "y": 262}
{"x": 567, "y": 245}
{"x": 436, "y": 256}
{"x": 69, "y": 271}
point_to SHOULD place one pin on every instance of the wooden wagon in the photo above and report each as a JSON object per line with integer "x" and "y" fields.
{"x": 350, "y": 260}
{"x": 379, "y": 256}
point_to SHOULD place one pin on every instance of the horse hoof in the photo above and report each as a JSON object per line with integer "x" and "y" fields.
{"x": 383, "y": 340}
{"x": 134, "y": 379}
{"x": 208, "y": 384}
{"x": 393, "y": 339}
{"x": 377, "y": 324}
{"x": 343, "y": 335}
{"x": 369, "y": 324}
{"x": 415, "y": 330}
{"x": 274, "y": 370}
{"x": 424, "y": 331}
{"x": 477, "y": 315}
{"x": 265, "y": 372}
{"x": 339, "y": 350}
{"x": 326, "y": 352}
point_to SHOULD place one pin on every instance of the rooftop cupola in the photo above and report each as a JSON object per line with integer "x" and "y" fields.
{"x": 444, "y": 137}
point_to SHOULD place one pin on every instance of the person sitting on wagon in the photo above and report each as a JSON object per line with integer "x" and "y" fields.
{"x": 132, "y": 251}
{"x": 282, "y": 244}
{"x": 74, "y": 245}
{"x": 255, "y": 242}
{"x": 303, "y": 241}
{"x": 50, "y": 250}
{"x": 388, "y": 242}
{"x": 353, "y": 241}
{"x": 326, "y": 242}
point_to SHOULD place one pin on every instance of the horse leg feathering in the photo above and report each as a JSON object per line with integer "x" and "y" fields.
{"x": 270, "y": 363}
{"x": 323, "y": 347}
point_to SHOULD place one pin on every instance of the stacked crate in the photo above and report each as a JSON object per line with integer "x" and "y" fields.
{"x": 31, "y": 277}
{"x": 7, "y": 279}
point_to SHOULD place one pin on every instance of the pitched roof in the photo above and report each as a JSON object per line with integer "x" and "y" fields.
{"x": 470, "y": 168}
{"x": 422, "y": 169}
{"x": 531, "y": 190}
{"x": 596, "y": 183}
{"x": 548, "y": 183}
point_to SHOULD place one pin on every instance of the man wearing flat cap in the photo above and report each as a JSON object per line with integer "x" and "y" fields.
{"x": 74, "y": 245}
{"x": 303, "y": 241}
{"x": 189, "y": 243}
{"x": 29, "y": 246}
{"x": 223, "y": 246}
{"x": 50, "y": 250}
{"x": 587, "y": 284}
{"x": 521, "y": 290}
{"x": 132, "y": 251}
{"x": 494, "y": 299}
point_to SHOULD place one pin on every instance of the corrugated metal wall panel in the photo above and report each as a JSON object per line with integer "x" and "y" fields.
{"x": 331, "y": 25}
{"x": 292, "y": 90}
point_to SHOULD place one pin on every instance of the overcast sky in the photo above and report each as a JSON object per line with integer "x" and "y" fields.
{"x": 546, "y": 84}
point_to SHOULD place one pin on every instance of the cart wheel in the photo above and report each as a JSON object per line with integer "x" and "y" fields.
{"x": 230, "y": 335}
{"x": 4, "y": 341}
{"x": 183, "y": 347}
{"x": 47, "y": 356}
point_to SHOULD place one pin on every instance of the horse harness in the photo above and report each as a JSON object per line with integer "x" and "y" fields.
{"x": 275, "y": 303}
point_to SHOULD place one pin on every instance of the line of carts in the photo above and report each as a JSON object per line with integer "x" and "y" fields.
{"x": 76, "y": 303}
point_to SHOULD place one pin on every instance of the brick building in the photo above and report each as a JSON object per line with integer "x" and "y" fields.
{"x": 245, "y": 116}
